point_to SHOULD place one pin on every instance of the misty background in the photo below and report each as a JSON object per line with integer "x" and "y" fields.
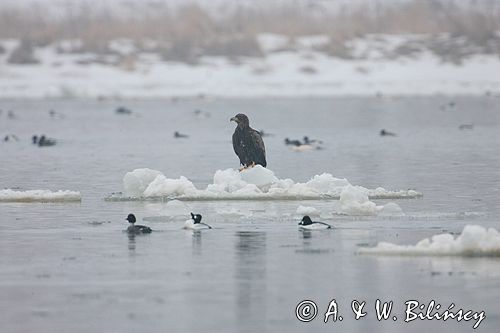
{"x": 317, "y": 37}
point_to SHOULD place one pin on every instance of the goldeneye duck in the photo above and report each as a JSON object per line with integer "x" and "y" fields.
{"x": 46, "y": 142}
{"x": 289, "y": 142}
{"x": 307, "y": 223}
{"x": 195, "y": 223}
{"x": 383, "y": 132}
{"x": 136, "y": 229}
{"x": 178, "y": 135}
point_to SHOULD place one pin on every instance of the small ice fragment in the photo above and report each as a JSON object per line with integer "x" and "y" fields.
{"x": 474, "y": 240}
{"x": 9, "y": 195}
{"x": 354, "y": 201}
{"x": 305, "y": 210}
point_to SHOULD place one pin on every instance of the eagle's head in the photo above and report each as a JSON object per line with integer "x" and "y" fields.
{"x": 241, "y": 119}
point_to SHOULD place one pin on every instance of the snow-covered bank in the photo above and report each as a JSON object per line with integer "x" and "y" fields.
{"x": 9, "y": 195}
{"x": 473, "y": 241}
{"x": 257, "y": 183}
{"x": 302, "y": 71}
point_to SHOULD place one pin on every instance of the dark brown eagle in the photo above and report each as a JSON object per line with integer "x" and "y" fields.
{"x": 248, "y": 143}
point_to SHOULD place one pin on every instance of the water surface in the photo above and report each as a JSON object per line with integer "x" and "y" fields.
{"x": 69, "y": 267}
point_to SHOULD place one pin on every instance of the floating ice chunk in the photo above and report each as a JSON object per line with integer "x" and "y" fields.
{"x": 392, "y": 209}
{"x": 259, "y": 176}
{"x": 354, "y": 201}
{"x": 162, "y": 186}
{"x": 382, "y": 193}
{"x": 326, "y": 183}
{"x": 177, "y": 208}
{"x": 135, "y": 182}
{"x": 305, "y": 210}
{"x": 474, "y": 240}
{"x": 233, "y": 212}
{"x": 9, "y": 195}
{"x": 254, "y": 183}
{"x": 228, "y": 180}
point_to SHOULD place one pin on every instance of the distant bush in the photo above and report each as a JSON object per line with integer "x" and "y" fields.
{"x": 23, "y": 54}
{"x": 233, "y": 47}
{"x": 187, "y": 32}
{"x": 308, "y": 69}
{"x": 336, "y": 48}
{"x": 181, "y": 50}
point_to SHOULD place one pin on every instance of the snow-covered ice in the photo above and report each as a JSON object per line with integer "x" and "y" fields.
{"x": 299, "y": 72}
{"x": 9, "y": 195}
{"x": 233, "y": 213}
{"x": 391, "y": 209}
{"x": 306, "y": 210}
{"x": 354, "y": 201}
{"x": 138, "y": 180}
{"x": 254, "y": 183}
{"x": 474, "y": 240}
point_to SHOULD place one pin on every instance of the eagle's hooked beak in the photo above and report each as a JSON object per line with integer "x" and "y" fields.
{"x": 234, "y": 119}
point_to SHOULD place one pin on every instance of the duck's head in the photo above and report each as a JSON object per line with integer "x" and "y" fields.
{"x": 131, "y": 218}
{"x": 306, "y": 220}
{"x": 241, "y": 119}
{"x": 196, "y": 218}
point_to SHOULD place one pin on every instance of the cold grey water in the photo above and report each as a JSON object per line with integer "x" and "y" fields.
{"x": 69, "y": 267}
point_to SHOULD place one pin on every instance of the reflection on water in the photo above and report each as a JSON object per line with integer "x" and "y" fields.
{"x": 250, "y": 265}
{"x": 131, "y": 243}
{"x": 306, "y": 234}
{"x": 196, "y": 237}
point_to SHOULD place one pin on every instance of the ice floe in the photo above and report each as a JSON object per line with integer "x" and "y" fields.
{"x": 233, "y": 213}
{"x": 305, "y": 210}
{"x": 354, "y": 201}
{"x": 474, "y": 240}
{"x": 9, "y": 195}
{"x": 252, "y": 184}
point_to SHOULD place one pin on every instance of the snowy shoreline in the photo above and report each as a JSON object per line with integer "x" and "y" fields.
{"x": 335, "y": 78}
{"x": 303, "y": 72}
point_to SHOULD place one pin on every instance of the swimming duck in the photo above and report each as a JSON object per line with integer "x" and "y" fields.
{"x": 136, "y": 229}
{"x": 307, "y": 223}
{"x": 123, "y": 110}
{"x": 46, "y": 142}
{"x": 383, "y": 132}
{"x": 289, "y": 142}
{"x": 195, "y": 223}
{"x": 308, "y": 141}
{"x": 178, "y": 135}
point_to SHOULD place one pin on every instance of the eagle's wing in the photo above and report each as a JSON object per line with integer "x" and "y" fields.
{"x": 238, "y": 147}
{"x": 258, "y": 149}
